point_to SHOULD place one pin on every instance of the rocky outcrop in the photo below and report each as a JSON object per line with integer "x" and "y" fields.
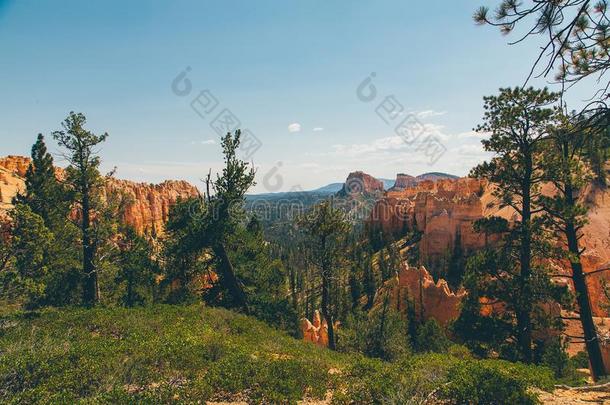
{"x": 443, "y": 211}
{"x": 12, "y": 171}
{"x": 147, "y": 206}
{"x": 430, "y": 299}
{"x": 359, "y": 183}
{"x": 316, "y": 332}
{"x": 403, "y": 181}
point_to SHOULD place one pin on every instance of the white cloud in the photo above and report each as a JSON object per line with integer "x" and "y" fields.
{"x": 472, "y": 150}
{"x": 294, "y": 127}
{"x": 318, "y": 129}
{"x": 430, "y": 113}
{"x": 378, "y": 145}
{"x": 472, "y": 135}
{"x": 204, "y": 142}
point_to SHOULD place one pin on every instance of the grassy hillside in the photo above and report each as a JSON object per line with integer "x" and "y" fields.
{"x": 191, "y": 354}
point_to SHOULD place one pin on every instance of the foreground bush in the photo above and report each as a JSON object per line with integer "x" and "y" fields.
{"x": 494, "y": 382}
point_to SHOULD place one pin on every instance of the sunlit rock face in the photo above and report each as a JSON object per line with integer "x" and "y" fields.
{"x": 442, "y": 210}
{"x": 445, "y": 211}
{"x": 147, "y": 206}
{"x": 12, "y": 171}
{"x": 316, "y": 331}
{"x": 403, "y": 181}
{"x": 359, "y": 183}
{"x": 429, "y": 299}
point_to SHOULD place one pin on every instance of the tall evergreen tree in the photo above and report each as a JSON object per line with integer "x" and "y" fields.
{"x": 326, "y": 228}
{"x": 31, "y": 242}
{"x": 518, "y": 121}
{"x": 84, "y": 180}
{"x": 566, "y": 216}
{"x": 6, "y": 241}
{"x": 182, "y": 253}
{"x": 457, "y": 262}
{"x": 369, "y": 283}
{"x": 225, "y": 214}
{"x": 46, "y": 198}
{"x": 43, "y": 193}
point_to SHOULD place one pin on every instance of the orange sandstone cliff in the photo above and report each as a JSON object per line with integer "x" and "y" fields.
{"x": 444, "y": 212}
{"x": 147, "y": 205}
{"x": 361, "y": 183}
{"x": 430, "y": 299}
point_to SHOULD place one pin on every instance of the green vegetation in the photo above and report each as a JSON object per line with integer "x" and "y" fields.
{"x": 174, "y": 354}
{"x": 326, "y": 229}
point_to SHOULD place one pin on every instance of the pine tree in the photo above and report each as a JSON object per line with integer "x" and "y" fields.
{"x": 31, "y": 241}
{"x": 212, "y": 225}
{"x": 84, "y": 180}
{"x": 43, "y": 193}
{"x": 137, "y": 269}
{"x": 183, "y": 259}
{"x": 225, "y": 214}
{"x": 369, "y": 283}
{"x": 518, "y": 121}
{"x": 48, "y": 199}
{"x": 565, "y": 215}
{"x": 457, "y": 263}
{"x": 326, "y": 228}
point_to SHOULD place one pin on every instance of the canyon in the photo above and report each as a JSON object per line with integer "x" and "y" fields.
{"x": 441, "y": 208}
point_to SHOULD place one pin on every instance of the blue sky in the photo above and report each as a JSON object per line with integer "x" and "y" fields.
{"x": 288, "y": 70}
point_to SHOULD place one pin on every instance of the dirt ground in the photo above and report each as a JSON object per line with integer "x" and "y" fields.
{"x": 577, "y": 396}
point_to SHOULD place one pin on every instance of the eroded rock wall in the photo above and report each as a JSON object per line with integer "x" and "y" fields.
{"x": 147, "y": 207}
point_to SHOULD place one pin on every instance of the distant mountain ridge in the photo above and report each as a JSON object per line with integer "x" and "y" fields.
{"x": 333, "y": 188}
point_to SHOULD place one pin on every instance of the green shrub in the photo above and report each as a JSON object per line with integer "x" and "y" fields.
{"x": 368, "y": 381}
{"x": 494, "y": 382}
{"x": 554, "y": 356}
{"x": 431, "y": 338}
{"x": 459, "y": 351}
{"x": 579, "y": 360}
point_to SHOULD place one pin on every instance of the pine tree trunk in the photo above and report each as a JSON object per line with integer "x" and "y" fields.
{"x": 89, "y": 273}
{"x": 524, "y": 305}
{"x": 584, "y": 304}
{"x": 229, "y": 279}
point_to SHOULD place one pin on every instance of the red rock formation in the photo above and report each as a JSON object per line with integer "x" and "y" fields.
{"x": 403, "y": 181}
{"x": 442, "y": 210}
{"x": 316, "y": 332}
{"x": 148, "y": 204}
{"x": 431, "y": 300}
{"x": 361, "y": 183}
{"x": 445, "y": 210}
{"x": 15, "y": 164}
